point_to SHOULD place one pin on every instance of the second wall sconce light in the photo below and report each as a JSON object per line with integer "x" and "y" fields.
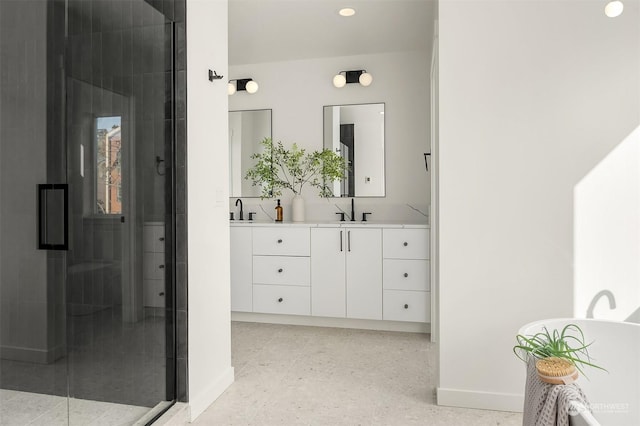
{"x": 354, "y": 76}
{"x": 242, "y": 84}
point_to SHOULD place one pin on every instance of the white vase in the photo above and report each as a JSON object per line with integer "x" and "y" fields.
{"x": 297, "y": 209}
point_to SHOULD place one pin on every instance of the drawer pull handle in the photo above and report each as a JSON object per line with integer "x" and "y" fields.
{"x": 406, "y": 275}
{"x": 161, "y": 266}
{"x": 279, "y": 241}
{"x": 161, "y": 238}
{"x": 280, "y": 300}
{"x": 405, "y": 244}
{"x": 280, "y": 270}
{"x": 161, "y": 293}
{"x": 406, "y": 306}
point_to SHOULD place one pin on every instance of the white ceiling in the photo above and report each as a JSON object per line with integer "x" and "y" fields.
{"x": 279, "y": 30}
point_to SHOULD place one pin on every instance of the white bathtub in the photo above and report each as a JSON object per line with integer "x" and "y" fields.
{"x": 614, "y": 396}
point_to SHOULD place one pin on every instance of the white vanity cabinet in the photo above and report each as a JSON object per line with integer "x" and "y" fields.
{"x": 241, "y": 269}
{"x": 346, "y": 273}
{"x": 281, "y": 270}
{"x": 362, "y": 275}
{"x": 406, "y": 275}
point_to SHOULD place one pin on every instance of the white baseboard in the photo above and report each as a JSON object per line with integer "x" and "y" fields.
{"x": 199, "y": 403}
{"x": 411, "y": 327}
{"x": 481, "y": 400}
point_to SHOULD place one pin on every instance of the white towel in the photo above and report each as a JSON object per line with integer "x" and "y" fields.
{"x": 546, "y": 404}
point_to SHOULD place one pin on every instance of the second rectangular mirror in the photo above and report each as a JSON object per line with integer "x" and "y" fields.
{"x": 246, "y": 130}
{"x": 356, "y": 132}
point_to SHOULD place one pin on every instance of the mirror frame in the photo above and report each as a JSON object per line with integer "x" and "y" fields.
{"x": 384, "y": 145}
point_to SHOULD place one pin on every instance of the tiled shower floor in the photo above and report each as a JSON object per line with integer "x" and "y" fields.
{"x": 24, "y": 408}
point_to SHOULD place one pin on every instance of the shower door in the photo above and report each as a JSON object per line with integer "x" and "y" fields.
{"x": 119, "y": 81}
{"x": 86, "y": 290}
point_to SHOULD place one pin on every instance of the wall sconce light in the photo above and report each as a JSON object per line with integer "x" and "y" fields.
{"x": 613, "y": 8}
{"x": 356, "y": 76}
{"x": 242, "y": 84}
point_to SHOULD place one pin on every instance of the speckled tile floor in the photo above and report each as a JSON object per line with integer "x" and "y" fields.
{"x": 293, "y": 375}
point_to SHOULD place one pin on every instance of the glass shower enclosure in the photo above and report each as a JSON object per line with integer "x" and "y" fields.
{"x": 86, "y": 223}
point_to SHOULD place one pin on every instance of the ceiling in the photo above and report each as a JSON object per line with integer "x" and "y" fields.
{"x": 280, "y": 30}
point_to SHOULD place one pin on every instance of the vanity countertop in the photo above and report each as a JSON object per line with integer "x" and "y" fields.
{"x": 332, "y": 224}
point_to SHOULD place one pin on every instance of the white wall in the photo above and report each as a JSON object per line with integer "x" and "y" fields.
{"x": 297, "y": 91}
{"x": 532, "y": 96}
{"x": 209, "y": 346}
{"x": 607, "y": 236}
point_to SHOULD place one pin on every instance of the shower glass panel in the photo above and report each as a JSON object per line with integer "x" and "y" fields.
{"x": 86, "y": 154}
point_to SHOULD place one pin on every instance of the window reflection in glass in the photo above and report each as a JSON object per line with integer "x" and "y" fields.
{"x": 108, "y": 165}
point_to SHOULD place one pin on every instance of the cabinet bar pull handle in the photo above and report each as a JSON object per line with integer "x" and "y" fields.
{"x": 280, "y": 270}
{"x": 161, "y": 238}
{"x": 280, "y": 300}
{"x": 349, "y": 240}
{"x": 161, "y": 293}
{"x": 406, "y": 275}
{"x": 406, "y": 306}
{"x": 161, "y": 266}
{"x": 279, "y": 241}
{"x": 341, "y": 249}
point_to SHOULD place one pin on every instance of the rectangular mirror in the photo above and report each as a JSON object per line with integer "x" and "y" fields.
{"x": 356, "y": 132}
{"x": 246, "y": 130}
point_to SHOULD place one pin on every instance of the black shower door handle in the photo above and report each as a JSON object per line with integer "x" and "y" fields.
{"x": 53, "y": 216}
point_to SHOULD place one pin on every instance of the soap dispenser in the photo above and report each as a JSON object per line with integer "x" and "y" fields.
{"x": 278, "y": 212}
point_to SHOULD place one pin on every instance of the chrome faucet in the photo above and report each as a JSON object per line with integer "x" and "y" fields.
{"x": 597, "y": 297}
{"x": 241, "y": 211}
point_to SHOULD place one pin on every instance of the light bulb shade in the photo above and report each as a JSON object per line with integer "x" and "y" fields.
{"x": 613, "y": 9}
{"x": 365, "y": 79}
{"x": 339, "y": 80}
{"x": 231, "y": 88}
{"x": 252, "y": 87}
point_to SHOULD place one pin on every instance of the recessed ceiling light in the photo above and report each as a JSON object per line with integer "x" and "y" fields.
{"x": 347, "y": 11}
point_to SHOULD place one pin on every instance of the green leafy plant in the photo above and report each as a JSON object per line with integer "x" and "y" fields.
{"x": 569, "y": 344}
{"x": 278, "y": 168}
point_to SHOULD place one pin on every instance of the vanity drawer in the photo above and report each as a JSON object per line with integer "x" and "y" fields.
{"x": 401, "y": 274}
{"x": 402, "y": 305}
{"x": 153, "y": 238}
{"x": 153, "y": 266}
{"x": 284, "y": 270}
{"x": 281, "y": 299}
{"x": 281, "y": 241}
{"x": 405, "y": 243}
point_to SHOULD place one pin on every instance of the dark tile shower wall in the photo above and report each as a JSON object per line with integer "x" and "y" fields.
{"x": 176, "y": 11}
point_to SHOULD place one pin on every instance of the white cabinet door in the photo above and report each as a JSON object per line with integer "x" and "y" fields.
{"x": 328, "y": 292}
{"x": 241, "y": 269}
{"x": 364, "y": 273}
